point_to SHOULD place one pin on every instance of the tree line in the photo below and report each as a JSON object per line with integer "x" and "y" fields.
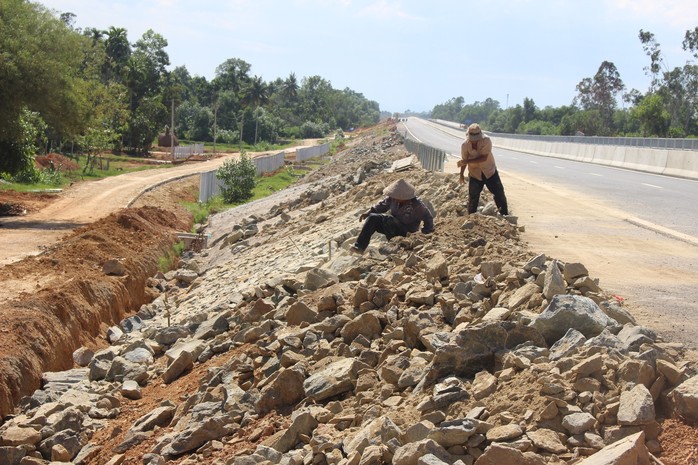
{"x": 669, "y": 108}
{"x": 93, "y": 90}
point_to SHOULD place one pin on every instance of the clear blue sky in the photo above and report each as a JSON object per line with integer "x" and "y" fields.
{"x": 410, "y": 54}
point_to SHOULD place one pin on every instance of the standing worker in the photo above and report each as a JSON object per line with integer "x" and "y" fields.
{"x": 476, "y": 154}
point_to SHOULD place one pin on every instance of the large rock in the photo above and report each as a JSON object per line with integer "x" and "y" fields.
{"x": 685, "y": 398}
{"x": 628, "y": 451}
{"x": 636, "y": 407}
{"x": 471, "y": 352}
{"x": 285, "y": 389}
{"x": 409, "y": 454}
{"x": 572, "y": 311}
{"x": 195, "y": 435}
{"x": 554, "y": 283}
{"x": 500, "y": 454}
{"x": 337, "y": 378}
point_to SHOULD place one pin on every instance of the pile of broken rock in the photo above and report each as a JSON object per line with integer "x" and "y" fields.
{"x": 460, "y": 347}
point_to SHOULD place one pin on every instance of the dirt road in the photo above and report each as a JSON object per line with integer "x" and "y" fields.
{"x": 84, "y": 203}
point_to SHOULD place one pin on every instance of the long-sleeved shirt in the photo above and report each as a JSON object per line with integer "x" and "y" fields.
{"x": 410, "y": 213}
{"x": 472, "y": 149}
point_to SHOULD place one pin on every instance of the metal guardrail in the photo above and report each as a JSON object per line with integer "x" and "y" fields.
{"x": 430, "y": 158}
{"x": 647, "y": 142}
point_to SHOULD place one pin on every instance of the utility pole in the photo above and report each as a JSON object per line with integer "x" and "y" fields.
{"x": 215, "y": 127}
{"x": 172, "y": 134}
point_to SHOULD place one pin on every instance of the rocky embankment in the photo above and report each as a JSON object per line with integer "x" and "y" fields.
{"x": 275, "y": 345}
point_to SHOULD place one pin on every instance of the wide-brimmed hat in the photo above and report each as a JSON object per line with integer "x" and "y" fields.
{"x": 474, "y": 132}
{"x": 400, "y": 190}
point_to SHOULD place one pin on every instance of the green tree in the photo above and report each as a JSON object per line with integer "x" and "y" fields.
{"x": 449, "y": 110}
{"x": 677, "y": 88}
{"x": 257, "y": 96}
{"x": 148, "y": 82}
{"x": 290, "y": 87}
{"x": 118, "y": 51}
{"x": 238, "y": 179}
{"x": 530, "y": 110}
{"x": 599, "y": 93}
{"x": 653, "y": 117}
{"x": 40, "y": 60}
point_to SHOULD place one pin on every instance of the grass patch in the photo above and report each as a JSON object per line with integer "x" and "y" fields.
{"x": 19, "y": 187}
{"x": 228, "y": 148}
{"x": 267, "y": 185}
{"x": 201, "y": 211}
{"x": 169, "y": 261}
{"x": 104, "y": 167}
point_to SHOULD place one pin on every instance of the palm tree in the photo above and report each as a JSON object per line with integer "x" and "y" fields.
{"x": 257, "y": 95}
{"x": 118, "y": 53}
{"x": 291, "y": 87}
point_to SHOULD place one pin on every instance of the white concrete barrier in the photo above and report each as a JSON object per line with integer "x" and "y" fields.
{"x": 649, "y": 160}
{"x": 608, "y": 155}
{"x": 681, "y": 163}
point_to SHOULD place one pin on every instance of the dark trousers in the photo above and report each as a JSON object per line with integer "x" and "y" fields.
{"x": 494, "y": 185}
{"x": 384, "y": 224}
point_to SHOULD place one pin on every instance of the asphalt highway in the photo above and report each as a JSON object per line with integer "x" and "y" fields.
{"x": 662, "y": 203}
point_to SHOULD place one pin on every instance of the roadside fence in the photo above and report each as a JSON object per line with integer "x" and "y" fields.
{"x": 430, "y": 158}
{"x": 268, "y": 163}
{"x": 210, "y": 185}
{"x": 312, "y": 152}
{"x": 187, "y": 151}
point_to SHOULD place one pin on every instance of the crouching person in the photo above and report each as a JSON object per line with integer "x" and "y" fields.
{"x": 401, "y": 212}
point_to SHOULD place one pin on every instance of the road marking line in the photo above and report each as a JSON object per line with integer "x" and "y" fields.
{"x": 596, "y": 174}
{"x": 662, "y": 230}
{"x": 652, "y": 185}
{"x": 560, "y": 167}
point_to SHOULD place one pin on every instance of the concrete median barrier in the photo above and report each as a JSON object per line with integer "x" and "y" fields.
{"x": 682, "y": 163}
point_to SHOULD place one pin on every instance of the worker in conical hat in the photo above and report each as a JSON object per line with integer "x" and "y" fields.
{"x": 399, "y": 213}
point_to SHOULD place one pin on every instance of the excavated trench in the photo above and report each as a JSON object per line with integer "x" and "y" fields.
{"x": 75, "y": 300}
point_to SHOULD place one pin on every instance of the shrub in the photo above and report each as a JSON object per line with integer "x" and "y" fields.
{"x": 238, "y": 179}
{"x": 310, "y": 129}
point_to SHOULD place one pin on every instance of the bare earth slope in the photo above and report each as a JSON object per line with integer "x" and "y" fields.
{"x": 69, "y": 272}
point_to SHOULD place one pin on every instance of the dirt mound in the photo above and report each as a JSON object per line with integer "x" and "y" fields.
{"x": 65, "y": 300}
{"x": 22, "y": 203}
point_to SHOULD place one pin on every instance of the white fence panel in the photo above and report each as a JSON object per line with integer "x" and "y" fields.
{"x": 187, "y": 151}
{"x": 210, "y": 185}
{"x": 307, "y": 153}
{"x": 268, "y": 163}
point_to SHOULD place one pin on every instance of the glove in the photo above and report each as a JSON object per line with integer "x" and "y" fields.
{"x": 363, "y": 216}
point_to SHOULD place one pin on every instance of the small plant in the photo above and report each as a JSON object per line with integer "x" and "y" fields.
{"x": 238, "y": 177}
{"x": 202, "y": 211}
{"x": 169, "y": 261}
